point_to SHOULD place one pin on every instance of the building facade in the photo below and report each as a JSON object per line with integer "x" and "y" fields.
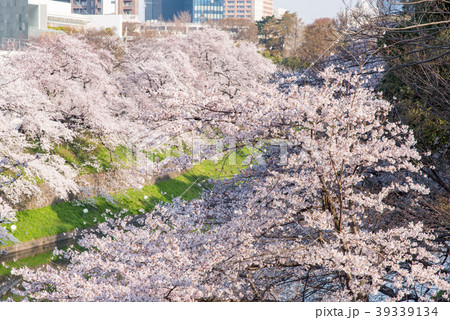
{"x": 279, "y": 12}
{"x": 253, "y": 10}
{"x": 13, "y": 19}
{"x": 170, "y": 8}
{"x": 240, "y": 9}
{"x": 125, "y": 7}
{"x": 153, "y": 9}
{"x": 204, "y": 10}
{"x": 43, "y": 14}
{"x": 267, "y": 8}
{"x": 87, "y": 6}
{"x": 199, "y": 10}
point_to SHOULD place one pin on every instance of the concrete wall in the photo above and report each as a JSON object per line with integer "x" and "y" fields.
{"x": 37, "y": 15}
{"x": 13, "y": 19}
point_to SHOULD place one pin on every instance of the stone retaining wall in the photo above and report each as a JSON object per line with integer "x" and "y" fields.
{"x": 42, "y": 245}
{"x": 33, "y": 247}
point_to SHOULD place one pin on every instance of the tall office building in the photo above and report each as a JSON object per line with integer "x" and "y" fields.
{"x": 87, "y": 6}
{"x": 240, "y": 9}
{"x": 248, "y": 9}
{"x": 13, "y": 19}
{"x": 153, "y": 9}
{"x": 200, "y": 10}
{"x": 204, "y": 10}
{"x": 127, "y": 7}
{"x": 267, "y": 8}
{"x": 170, "y": 8}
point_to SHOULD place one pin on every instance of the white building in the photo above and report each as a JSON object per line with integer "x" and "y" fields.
{"x": 109, "y": 7}
{"x": 258, "y": 9}
{"x": 49, "y": 13}
{"x": 279, "y": 12}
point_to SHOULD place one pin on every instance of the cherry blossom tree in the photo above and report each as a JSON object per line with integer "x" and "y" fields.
{"x": 64, "y": 87}
{"x": 173, "y": 81}
{"x": 55, "y": 90}
{"x": 22, "y": 118}
{"x": 315, "y": 227}
{"x": 317, "y": 220}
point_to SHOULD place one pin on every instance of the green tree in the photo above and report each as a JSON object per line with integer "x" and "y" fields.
{"x": 417, "y": 49}
{"x": 276, "y": 33}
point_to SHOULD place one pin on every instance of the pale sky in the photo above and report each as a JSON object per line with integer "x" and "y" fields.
{"x": 309, "y": 10}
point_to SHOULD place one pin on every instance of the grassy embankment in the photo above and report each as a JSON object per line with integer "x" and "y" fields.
{"x": 67, "y": 216}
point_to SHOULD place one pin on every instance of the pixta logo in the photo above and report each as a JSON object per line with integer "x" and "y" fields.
{"x": 337, "y": 312}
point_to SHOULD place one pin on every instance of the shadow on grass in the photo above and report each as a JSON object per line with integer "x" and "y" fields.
{"x": 67, "y": 216}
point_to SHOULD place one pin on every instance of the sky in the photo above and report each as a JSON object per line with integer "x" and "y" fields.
{"x": 309, "y": 10}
